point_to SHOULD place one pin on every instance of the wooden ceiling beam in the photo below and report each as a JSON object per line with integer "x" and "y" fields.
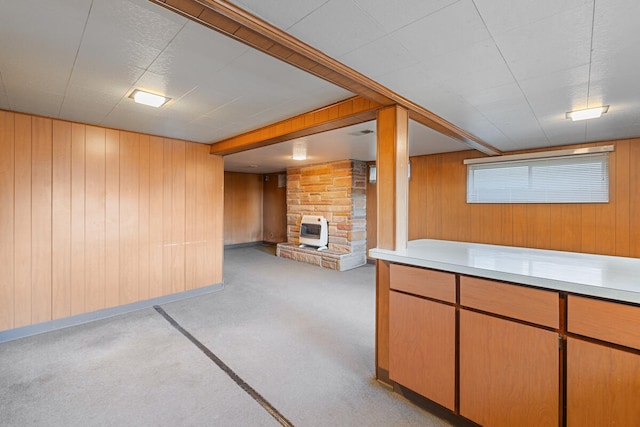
{"x": 341, "y": 114}
{"x": 232, "y": 21}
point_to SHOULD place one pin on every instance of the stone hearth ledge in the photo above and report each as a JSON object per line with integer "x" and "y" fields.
{"x": 326, "y": 259}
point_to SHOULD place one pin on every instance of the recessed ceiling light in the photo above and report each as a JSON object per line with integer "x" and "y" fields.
{"x": 146, "y": 98}
{"x": 589, "y": 113}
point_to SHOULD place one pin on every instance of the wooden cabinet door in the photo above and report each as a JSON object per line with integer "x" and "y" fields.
{"x": 422, "y": 347}
{"x": 603, "y": 385}
{"x": 509, "y": 372}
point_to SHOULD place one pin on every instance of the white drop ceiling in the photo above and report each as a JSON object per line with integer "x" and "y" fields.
{"x": 505, "y": 71}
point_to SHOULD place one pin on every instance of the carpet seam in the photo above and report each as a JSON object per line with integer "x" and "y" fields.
{"x": 226, "y": 369}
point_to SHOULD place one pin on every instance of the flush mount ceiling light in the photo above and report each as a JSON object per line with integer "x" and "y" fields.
{"x": 150, "y": 99}
{"x": 299, "y": 150}
{"x": 589, "y": 113}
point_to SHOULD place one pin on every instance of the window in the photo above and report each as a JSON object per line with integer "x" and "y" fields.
{"x": 574, "y": 178}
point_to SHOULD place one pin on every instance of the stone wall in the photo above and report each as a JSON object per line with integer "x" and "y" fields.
{"x": 336, "y": 191}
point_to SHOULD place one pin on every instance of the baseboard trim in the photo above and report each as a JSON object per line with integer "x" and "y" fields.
{"x": 382, "y": 375}
{"x": 251, "y": 244}
{"x": 433, "y": 407}
{"x": 243, "y": 245}
{"x": 79, "y": 319}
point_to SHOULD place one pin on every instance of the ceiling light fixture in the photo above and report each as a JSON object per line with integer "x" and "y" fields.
{"x": 589, "y": 113}
{"x": 150, "y": 99}
{"x": 299, "y": 150}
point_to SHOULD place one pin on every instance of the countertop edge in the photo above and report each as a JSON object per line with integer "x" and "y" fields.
{"x": 540, "y": 282}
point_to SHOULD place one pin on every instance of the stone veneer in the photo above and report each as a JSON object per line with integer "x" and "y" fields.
{"x": 336, "y": 191}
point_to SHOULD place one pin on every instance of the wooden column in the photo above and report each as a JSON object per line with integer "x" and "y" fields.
{"x": 392, "y": 181}
{"x": 392, "y": 218}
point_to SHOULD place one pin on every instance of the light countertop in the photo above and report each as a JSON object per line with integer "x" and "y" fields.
{"x": 616, "y": 278}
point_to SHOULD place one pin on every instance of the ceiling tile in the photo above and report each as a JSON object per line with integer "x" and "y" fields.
{"x": 556, "y": 93}
{"x": 519, "y": 125}
{"x": 85, "y": 109}
{"x": 382, "y": 56}
{"x": 134, "y": 21}
{"x": 122, "y": 118}
{"x": 392, "y": 16}
{"x": 103, "y": 45}
{"x": 504, "y": 15}
{"x": 458, "y": 111}
{"x": 489, "y": 133}
{"x": 563, "y": 134}
{"x": 278, "y": 78}
{"x": 406, "y": 80}
{"x": 34, "y": 28}
{"x": 562, "y": 42}
{"x": 615, "y": 124}
{"x": 471, "y": 69}
{"x": 189, "y": 106}
{"x": 614, "y": 25}
{"x": 195, "y": 54}
{"x": 281, "y": 13}
{"x": 616, "y": 55}
{"x": 337, "y": 27}
{"x": 199, "y": 133}
{"x": 93, "y": 94}
{"x": 26, "y": 100}
{"x": 115, "y": 79}
{"x": 39, "y": 44}
{"x": 236, "y": 109}
{"x": 424, "y": 140}
{"x": 449, "y": 29}
{"x": 493, "y": 94}
{"x": 27, "y": 73}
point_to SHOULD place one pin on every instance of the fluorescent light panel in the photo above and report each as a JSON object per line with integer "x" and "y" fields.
{"x": 146, "y": 98}
{"x": 589, "y": 113}
{"x": 299, "y": 150}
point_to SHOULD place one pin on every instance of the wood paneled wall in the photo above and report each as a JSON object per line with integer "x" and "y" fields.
{"x": 438, "y": 209}
{"x": 92, "y": 218}
{"x": 243, "y": 199}
{"x": 274, "y": 215}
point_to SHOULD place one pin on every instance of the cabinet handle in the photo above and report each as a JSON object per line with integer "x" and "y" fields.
{"x": 560, "y": 342}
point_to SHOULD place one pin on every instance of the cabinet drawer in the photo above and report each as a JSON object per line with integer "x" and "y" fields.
{"x": 424, "y": 282}
{"x": 518, "y": 302}
{"x": 607, "y": 321}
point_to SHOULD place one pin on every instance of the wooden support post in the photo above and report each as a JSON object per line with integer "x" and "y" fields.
{"x": 392, "y": 219}
{"x": 392, "y": 180}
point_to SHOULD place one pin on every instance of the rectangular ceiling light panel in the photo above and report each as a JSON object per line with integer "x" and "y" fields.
{"x": 147, "y": 98}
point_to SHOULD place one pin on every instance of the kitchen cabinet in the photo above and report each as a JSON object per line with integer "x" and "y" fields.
{"x": 422, "y": 333}
{"x": 422, "y": 343}
{"x": 541, "y": 337}
{"x": 603, "y": 385}
{"x": 509, "y": 372}
{"x": 603, "y": 380}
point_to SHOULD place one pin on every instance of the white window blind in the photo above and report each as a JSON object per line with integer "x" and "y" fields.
{"x": 580, "y": 178}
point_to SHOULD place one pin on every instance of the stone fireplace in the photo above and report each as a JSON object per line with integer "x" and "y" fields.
{"x": 335, "y": 191}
